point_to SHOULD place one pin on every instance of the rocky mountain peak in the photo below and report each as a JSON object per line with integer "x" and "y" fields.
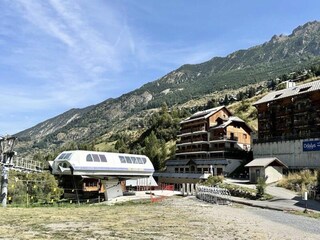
{"x": 306, "y": 28}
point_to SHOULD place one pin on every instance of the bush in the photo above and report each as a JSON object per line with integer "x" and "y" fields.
{"x": 214, "y": 180}
{"x": 238, "y": 191}
{"x": 298, "y": 181}
{"x": 33, "y": 188}
{"x": 261, "y": 187}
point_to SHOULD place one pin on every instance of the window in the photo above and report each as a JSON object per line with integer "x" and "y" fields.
{"x": 277, "y": 95}
{"x": 304, "y": 89}
{"x": 64, "y": 165}
{"x": 128, "y": 159}
{"x": 103, "y": 158}
{"x": 139, "y": 160}
{"x": 89, "y": 158}
{"x": 134, "y": 160}
{"x": 96, "y": 158}
{"x": 62, "y": 156}
{"x": 244, "y": 136}
{"x": 122, "y": 159}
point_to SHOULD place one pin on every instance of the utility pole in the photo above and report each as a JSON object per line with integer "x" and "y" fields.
{"x": 6, "y": 151}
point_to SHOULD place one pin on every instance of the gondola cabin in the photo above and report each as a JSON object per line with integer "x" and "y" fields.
{"x": 91, "y": 173}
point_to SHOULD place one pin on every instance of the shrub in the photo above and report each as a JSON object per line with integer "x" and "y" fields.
{"x": 238, "y": 191}
{"x": 299, "y": 180}
{"x": 261, "y": 187}
{"x": 214, "y": 180}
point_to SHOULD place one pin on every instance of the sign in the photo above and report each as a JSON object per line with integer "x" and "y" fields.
{"x": 311, "y": 145}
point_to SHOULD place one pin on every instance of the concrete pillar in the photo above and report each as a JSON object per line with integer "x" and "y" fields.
{"x": 215, "y": 172}
{"x": 188, "y": 189}
{"x": 183, "y": 189}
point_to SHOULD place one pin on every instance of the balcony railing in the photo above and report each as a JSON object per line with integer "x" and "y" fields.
{"x": 225, "y": 149}
{"x": 232, "y": 153}
{"x": 204, "y": 149}
{"x": 192, "y": 130}
{"x": 225, "y": 137}
{"x": 287, "y": 138}
{"x": 193, "y": 140}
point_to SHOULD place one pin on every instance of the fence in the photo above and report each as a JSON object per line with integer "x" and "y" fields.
{"x": 214, "y": 195}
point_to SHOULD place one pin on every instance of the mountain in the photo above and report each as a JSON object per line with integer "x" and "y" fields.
{"x": 281, "y": 55}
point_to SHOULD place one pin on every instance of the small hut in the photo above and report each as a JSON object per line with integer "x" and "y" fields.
{"x": 270, "y": 169}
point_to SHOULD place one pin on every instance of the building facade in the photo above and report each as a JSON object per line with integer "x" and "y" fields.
{"x": 211, "y": 142}
{"x": 289, "y": 126}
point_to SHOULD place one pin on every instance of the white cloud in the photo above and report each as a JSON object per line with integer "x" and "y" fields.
{"x": 65, "y": 53}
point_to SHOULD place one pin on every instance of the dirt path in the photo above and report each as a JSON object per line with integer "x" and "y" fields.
{"x": 174, "y": 218}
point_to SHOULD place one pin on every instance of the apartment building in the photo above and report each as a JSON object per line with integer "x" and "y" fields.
{"x": 211, "y": 142}
{"x": 289, "y": 126}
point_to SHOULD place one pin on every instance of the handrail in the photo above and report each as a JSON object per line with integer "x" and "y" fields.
{"x": 213, "y": 194}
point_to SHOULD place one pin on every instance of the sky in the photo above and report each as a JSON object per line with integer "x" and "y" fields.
{"x": 60, "y": 54}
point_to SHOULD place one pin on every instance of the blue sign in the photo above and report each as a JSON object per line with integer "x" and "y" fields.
{"x": 311, "y": 145}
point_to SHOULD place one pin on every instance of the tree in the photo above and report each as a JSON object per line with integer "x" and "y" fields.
{"x": 153, "y": 150}
{"x": 33, "y": 188}
{"x": 121, "y": 146}
{"x": 261, "y": 187}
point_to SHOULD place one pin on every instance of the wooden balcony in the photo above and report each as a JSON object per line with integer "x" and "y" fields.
{"x": 223, "y": 138}
{"x": 192, "y": 130}
{"x": 232, "y": 153}
{"x": 201, "y": 149}
{"x": 193, "y": 140}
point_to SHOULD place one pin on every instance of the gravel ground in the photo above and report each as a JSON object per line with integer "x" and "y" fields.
{"x": 173, "y": 218}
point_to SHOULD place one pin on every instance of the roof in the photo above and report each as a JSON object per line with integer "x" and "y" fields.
{"x": 290, "y": 92}
{"x": 204, "y": 114}
{"x": 179, "y": 175}
{"x": 264, "y": 162}
{"x": 177, "y": 162}
{"x": 231, "y": 120}
{"x": 185, "y": 162}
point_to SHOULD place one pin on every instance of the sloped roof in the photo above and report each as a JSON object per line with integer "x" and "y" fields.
{"x": 264, "y": 162}
{"x": 177, "y": 162}
{"x": 211, "y": 162}
{"x": 231, "y": 120}
{"x": 184, "y": 162}
{"x": 204, "y": 114}
{"x": 290, "y": 92}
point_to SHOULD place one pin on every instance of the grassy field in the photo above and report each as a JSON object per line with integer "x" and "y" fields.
{"x": 173, "y": 218}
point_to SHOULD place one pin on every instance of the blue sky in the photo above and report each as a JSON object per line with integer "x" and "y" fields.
{"x": 61, "y": 54}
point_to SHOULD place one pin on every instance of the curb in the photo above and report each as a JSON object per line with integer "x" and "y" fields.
{"x": 263, "y": 206}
